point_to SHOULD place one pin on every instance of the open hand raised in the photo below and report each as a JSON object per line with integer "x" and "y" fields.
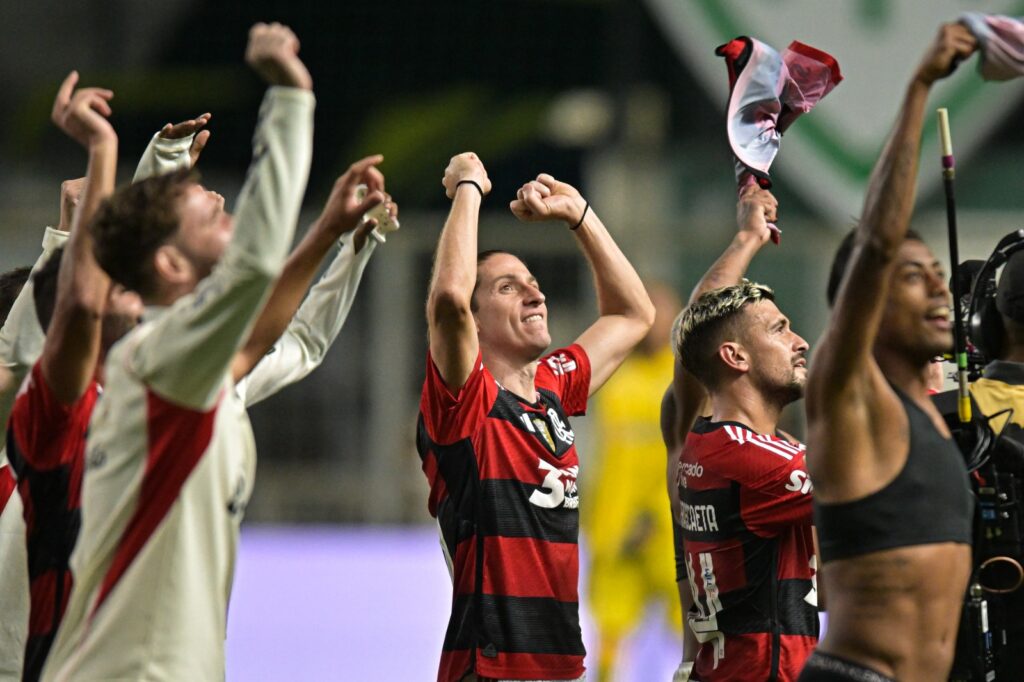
{"x": 82, "y": 114}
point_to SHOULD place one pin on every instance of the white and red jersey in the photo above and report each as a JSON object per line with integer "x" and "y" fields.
{"x": 746, "y": 515}
{"x": 14, "y": 594}
{"x": 21, "y": 343}
{"x": 170, "y": 459}
{"x": 46, "y": 447}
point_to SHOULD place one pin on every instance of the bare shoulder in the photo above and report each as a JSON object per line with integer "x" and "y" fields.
{"x": 858, "y": 439}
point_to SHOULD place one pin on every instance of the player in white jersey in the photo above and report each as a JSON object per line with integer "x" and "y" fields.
{"x": 21, "y": 341}
{"x": 170, "y": 457}
{"x": 297, "y": 352}
{"x": 289, "y": 340}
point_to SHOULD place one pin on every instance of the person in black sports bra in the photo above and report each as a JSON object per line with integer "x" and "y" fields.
{"x": 892, "y": 504}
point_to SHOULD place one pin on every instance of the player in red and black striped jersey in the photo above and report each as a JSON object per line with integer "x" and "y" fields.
{"x": 494, "y": 435}
{"x": 740, "y": 492}
{"x": 745, "y": 509}
{"x": 509, "y": 466}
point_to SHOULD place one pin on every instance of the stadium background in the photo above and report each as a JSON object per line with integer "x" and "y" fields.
{"x": 340, "y": 574}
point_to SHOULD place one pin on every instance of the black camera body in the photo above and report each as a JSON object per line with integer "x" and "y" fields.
{"x": 991, "y": 641}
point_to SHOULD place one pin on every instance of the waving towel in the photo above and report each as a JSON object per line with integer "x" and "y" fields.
{"x": 1002, "y": 44}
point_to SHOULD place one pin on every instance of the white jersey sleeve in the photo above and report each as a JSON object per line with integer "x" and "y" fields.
{"x": 21, "y": 338}
{"x": 314, "y": 328}
{"x": 163, "y": 156}
{"x": 185, "y": 356}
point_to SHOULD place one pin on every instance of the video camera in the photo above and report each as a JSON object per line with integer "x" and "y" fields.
{"x": 989, "y": 632}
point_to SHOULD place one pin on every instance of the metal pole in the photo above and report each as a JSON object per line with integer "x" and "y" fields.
{"x": 959, "y": 342}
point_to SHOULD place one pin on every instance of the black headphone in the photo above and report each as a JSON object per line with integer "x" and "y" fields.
{"x": 985, "y": 326}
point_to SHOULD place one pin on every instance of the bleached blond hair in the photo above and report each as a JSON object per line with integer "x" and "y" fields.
{"x": 700, "y": 329}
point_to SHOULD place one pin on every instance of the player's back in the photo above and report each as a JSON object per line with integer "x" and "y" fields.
{"x": 164, "y": 492}
{"x": 746, "y": 518}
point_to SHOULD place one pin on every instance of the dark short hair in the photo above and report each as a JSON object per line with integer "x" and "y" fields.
{"x": 701, "y": 328}
{"x": 133, "y": 223}
{"x": 842, "y": 259}
{"x": 11, "y": 283}
{"x": 44, "y": 288}
{"x": 480, "y": 260}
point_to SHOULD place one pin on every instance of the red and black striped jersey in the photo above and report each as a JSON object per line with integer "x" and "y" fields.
{"x": 46, "y": 448}
{"x": 502, "y": 471}
{"x": 745, "y": 511}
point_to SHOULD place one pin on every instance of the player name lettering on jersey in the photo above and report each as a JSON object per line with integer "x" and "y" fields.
{"x": 800, "y": 482}
{"x": 700, "y": 518}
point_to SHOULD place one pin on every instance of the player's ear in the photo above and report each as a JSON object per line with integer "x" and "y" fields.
{"x": 735, "y": 356}
{"x": 171, "y": 264}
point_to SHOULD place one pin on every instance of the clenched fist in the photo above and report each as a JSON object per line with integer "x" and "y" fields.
{"x": 465, "y": 166}
{"x": 273, "y": 53}
{"x": 548, "y": 199}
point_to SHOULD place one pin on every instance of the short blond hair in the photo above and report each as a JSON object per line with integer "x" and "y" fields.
{"x": 702, "y": 327}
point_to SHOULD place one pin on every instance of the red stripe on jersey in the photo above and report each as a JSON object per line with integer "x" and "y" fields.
{"x": 513, "y": 570}
{"x": 178, "y": 437}
{"x": 44, "y": 595}
{"x": 534, "y": 666}
{"x": 518, "y": 576}
{"x": 454, "y": 665}
{"x": 7, "y": 485}
{"x": 747, "y": 658}
{"x": 729, "y": 553}
{"x": 462, "y": 563}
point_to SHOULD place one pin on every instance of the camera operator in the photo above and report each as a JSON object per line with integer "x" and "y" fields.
{"x": 997, "y": 330}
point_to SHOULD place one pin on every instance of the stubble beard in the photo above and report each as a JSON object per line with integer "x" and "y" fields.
{"x": 786, "y": 391}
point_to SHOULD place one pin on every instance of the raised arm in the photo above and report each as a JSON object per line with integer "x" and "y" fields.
{"x": 686, "y": 398}
{"x": 754, "y": 210}
{"x": 315, "y": 326}
{"x": 844, "y": 353}
{"x": 70, "y": 197}
{"x": 190, "y": 349}
{"x": 71, "y": 348}
{"x": 342, "y": 214}
{"x": 454, "y": 345}
{"x": 625, "y": 309}
{"x": 173, "y": 147}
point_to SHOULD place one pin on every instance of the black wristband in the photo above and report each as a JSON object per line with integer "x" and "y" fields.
{"x": 471, "y": 182}
{"x": 582, "y": 216}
